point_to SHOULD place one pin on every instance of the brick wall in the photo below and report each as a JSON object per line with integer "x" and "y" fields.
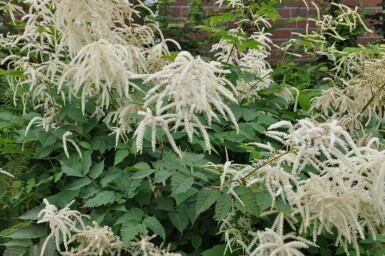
{"x": 287, "y": 12}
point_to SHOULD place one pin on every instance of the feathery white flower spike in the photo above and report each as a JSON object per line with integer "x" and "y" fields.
{"x": 6, "y": 173}
{"x": 95, "y": 241}
{"x": 187, "y": 88}
{"x": 65, "y": 140}
{"x": 61, "y": 222}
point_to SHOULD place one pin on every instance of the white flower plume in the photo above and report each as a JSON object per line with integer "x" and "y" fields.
{"x": 100, "y": 68}
{"x": 61, "y": 223}
{"x": 95, "y": 241}
{"x": 185, "y": 89}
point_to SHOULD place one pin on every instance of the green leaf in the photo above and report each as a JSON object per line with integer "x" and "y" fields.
{"x": 206, "y": 198}
{"x": 222, "y": 207}
{"x": 154, "y": 224}
{"x": 180, "y": 221}
{"x": 71, "y": 169}
{"x": 215, "y": 251}
{"x": 264, "y": 200}
{"x": 127, "y": 185}
{"x": 196, "y": 241}
{"x": 30, "y": 232}
{"x": 164, "y": 203}
{"x": 96, "y": 170}
{"x": 161, "y": 176}
{"x": 304, "y": 101}
{"x": 77, "y": 184}
{"x": 249, "y": 115}
{"x": 256, "y": 126}
{"x": 48, "y": 141}
{"x": 142, "y": 174}
{"x": 31, "y": 214}
{"x": 237, "y": 111}
{"x": 181, "y": 197}
{"x": 133, "y": 214}
{"x": 120, "y": 155}
{"x": 249, "y": 202}
{"x": 180, "y": 183}
{"x": 86, "y": 162}
{"x": 102, "y": 198}
{"x": 85, "y": 144}
{"x": 130, "y": 230}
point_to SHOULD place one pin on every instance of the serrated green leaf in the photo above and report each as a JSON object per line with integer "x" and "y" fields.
{"x": 264, "y": 200}
{"x": 96, "y": 170}
{"x": 77, "y": 184}
{"x": 62, "y": 198}
{"x": 180, "y": 221}
{"x": 180, "y": 183}
{"x": 109, "y": 176}
{"x": 128, "y": 186}
{"x": 266, "y": 119}
{"x": 30, "y": 232}
{"x": 120, "y": 155}
{"x": 48, "y": 141}
{"x": 44, "y": 152}
{"x": 154, "y": 224}
{"x": 161, "y": 176}
{"x": 249, "y": 115}
{"x": 223, "y": 205}
{"x": 142, "y": 174}
{"x": 181, "y": 197}
{"x": 248, "y": 203}
{"x": 133, "y": 214}
{"x": 256, "y": 126}
{"x": 206, "y": 198}
{"x": 102, "y": 198}
{"x": 130, "y": 230}
{"x": 18, "y": 242}
{"x": 31, "y": 214}
{"x": 16, "y": 251}
{"x": 72, "y": 169}
{"x": 86, "y": 162}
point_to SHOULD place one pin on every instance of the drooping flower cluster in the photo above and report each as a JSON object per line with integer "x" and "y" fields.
{"x": 356, "y": 101}
{"x": 93, "y": 50}
{"x": 68, "y": 228}
{"x": 253, "y": 61}
{"x": 332, "y": 184}
{"x": 187, "y": 88}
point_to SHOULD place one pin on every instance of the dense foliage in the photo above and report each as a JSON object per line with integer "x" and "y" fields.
{"x": 116, "y": 139}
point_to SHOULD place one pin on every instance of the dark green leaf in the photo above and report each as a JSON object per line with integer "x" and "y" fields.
{"x": 96, "y": 170}
{"x": 180, "y": 183}
{"x": 120, "y": 155}
{"x": 154, "y": 224}
{"x": 206, "y": 198}
{"x": 180, "y": 221}
{"x": 102, "y": 198}
{"x": 223, "y": 205}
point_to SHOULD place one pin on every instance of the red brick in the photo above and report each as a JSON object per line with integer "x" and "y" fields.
{"x": 298, "y": 3}
{"x": 304, "y": 12}
{"x": 352, "y": 3}
{"x": 282, "y": 25}
{"x": 180, "y": 3}
{"x": 303, "y": 23}
{"x": 284, "y": 12}
{"x": 281, "y": 34}
{"x": 370, "y": 2}
{"x": 209, "y": 3}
